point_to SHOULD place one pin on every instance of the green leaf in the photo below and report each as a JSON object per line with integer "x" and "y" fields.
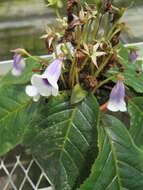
{"x": 78, "y": 94}
{"x": 66, "y": 139}
{"x": 132, "y": 78}
{"x": 16, "y": 111}
{"x": 123, "y": 52}
{"x": 136, "y": 123}
{"x": 98, "y": 4}
{"x": 130, "y": 70}
{"x": 25, "y": 77}
{"x": 120, "y": 162}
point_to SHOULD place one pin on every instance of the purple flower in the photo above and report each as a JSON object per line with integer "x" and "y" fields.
{"x": 45, "y": 84}
{"x": 18, "y": 65}
{"x": 133, "y": 56}
{"x": 117, "y": 98}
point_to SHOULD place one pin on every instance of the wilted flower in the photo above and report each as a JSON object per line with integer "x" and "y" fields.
{"x": 106, "y": 5}
{"x": 63, "y": 21}
{"x": 45, "y": 84}
{"x": 60, "y": 48}
{"x": 96, "y": 54}
{"x": 133, "y": 56}
{"x": 18, "y": 65}
{"x": 117, "y": 98}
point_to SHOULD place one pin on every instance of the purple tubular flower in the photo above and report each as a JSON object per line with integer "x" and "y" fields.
{"x": 133, "y": 56}
{"x": 18, "y": 65}
{"x": 46, "y": 84}
{"x": 52, "y": 73}
{"x": 117, "y": 98}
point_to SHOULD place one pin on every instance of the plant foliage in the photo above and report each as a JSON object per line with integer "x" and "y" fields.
{"x": 78, "y": 142}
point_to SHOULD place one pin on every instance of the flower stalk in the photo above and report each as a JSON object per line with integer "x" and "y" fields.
{"x": 102, "y": 66}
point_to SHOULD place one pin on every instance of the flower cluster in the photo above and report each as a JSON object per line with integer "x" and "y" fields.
{"x": 80, "y": 54}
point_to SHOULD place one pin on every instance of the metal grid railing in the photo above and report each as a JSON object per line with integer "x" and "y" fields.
{"x": 19, "y": 175}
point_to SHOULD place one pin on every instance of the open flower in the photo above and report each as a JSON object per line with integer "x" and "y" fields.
{"x": 117, "y": 98}
{"x": 45, "y": 84}
{"x": 18, "y": 65}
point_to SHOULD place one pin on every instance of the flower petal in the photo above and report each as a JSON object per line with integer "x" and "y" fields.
{"x": 16, "y": 72}
{"x": 133, "y": 56}
{"x": 18, "y": 65}
{"x": 122, "y": 106}
{"x": 93, "y": 57}
{"x": 43, "y": 88}
{"x": 98, "y": 54}
{"x": 95, "y": 47}
{"x": 116, "y": 100}
{"x": 17, "y": 58}
{"x": 22, "y": 64}
{"x": 53, "y": 71}
{"x": 118, "y": 92}
{"x": 59, "y": 49}
{"x": 36, "y": 98}
{"x": 114, "y": 106}
{"x": 31, "y": 91}
{"x": 54, "y": 91}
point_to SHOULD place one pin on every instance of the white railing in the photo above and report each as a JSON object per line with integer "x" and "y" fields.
{"x": 8, "y": 175}
{"x": 5, "y": 66}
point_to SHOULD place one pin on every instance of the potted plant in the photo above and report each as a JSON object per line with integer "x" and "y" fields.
{"x": 66, "y": 108}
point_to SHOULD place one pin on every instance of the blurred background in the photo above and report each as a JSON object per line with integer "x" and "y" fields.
{"x": 22, "y": 22}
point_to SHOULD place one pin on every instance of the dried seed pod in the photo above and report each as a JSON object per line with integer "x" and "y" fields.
{"x": 106, "y": 6}
{"x": 91, "y": 81}
{"x": 80, "y": 57}
{"x": 48, "y": 43}
{"x": 116, "y": 38}
{"x": 70, "y": 6}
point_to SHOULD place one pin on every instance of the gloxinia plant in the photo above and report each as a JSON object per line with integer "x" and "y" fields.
{"x": 80, "y": 109}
